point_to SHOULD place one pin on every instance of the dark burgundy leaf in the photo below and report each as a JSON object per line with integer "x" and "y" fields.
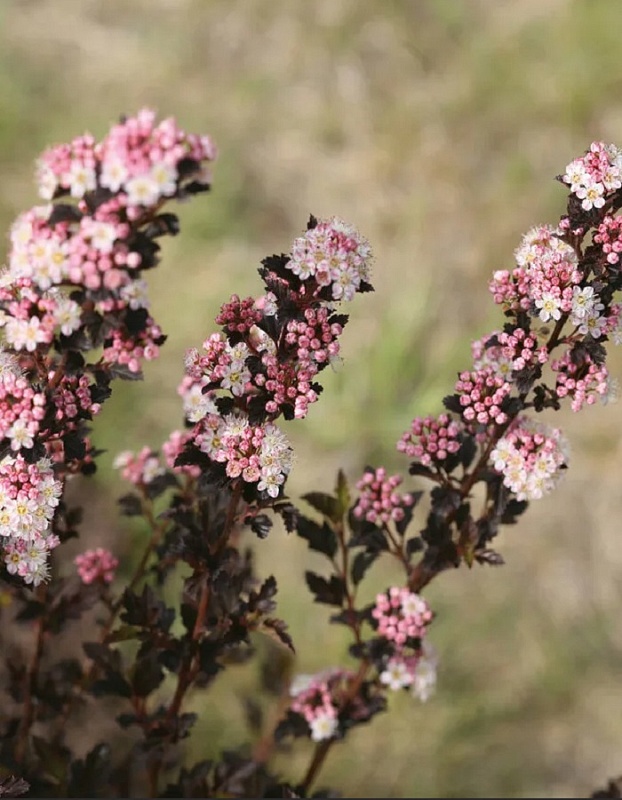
{"x": 330, "y": 591}
{"x": 360, "y": 564}
{"x": 131, "y": 505}
{"x": 326, "y": 504}
{"x": 260, "y": 525}
{"x": 320, "y": 538}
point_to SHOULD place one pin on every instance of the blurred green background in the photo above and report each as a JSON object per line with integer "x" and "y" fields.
{"x": 436, "y": 127}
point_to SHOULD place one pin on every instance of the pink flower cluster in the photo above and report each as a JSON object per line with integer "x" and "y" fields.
{"x": 531, "y": 457}
{"x": 316, "y": 699}
{"x": 417, "y": 672}
{"x": 401, "y": 616}
{"x": 332, "y": 256}
{"x": 140, "y": 469}
{"x": 482, "y": 393}
{"x": 609, "y": 236}
{"x": 284, "y": 382}
{"x": 72, "y": 399}
{"x": 29, "y": 495}
{"x": 31, "y": 320}
{"x": 129, "y": 349}
{"x": 270, "y": 351}
{"x": 596, "y": 175}
{"x": 506, "y": 352}
{"x": 173, "y": 447}
{"x": 96, "y": 565}
{"x": 223, "y": 366}
{"x": 258, "y": 454}
{"x": 543, "y": 281}
{"x": 140, "y": 162}
{"x": 239, "y": 316}
{"x": 91, "y": 251}
{"x": 22, "y": 408}
{"x": 583, "y": 383}
{"x": 378, "y": 501}
{"x": 430, "y": 440}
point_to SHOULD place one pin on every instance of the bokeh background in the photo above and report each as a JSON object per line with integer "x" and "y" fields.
{"x": 436, "y": 127}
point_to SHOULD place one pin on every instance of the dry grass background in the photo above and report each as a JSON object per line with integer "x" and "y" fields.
{"x": 436, "y": 126}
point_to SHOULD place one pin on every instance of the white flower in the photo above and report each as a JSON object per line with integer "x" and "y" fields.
{"x": 165, "y": 178}
{"x": 583, "y": 301}
{"x": 346, "y": 282}
{"x": 36, "y": 554}
{"x": 611, "y": 179}
{"x": 502, "y": 454}
{"x": 271, "y": 483}
{"x": 80, "y": 179}
{"x": 592, "y": 195}
{"x": 12, "y": 559}
{"x": 575, "y": 174}
{"x": 25, "y": 334}
{"x": 268, "y": 304}
{"x": 304, "y": 267}
{"x": 397, "y": 675}
{"x": 151, "y": 470}
{"x": 68, "y": 315}
{"x": 323, "y": 727}
{"x": 197, "y": 404}
{"x": 20, "y": 435}
{"x": 113, "y": 174}
{"x": 50, "y": 491}
{"x": 142, "y": 191}
{"x": 235, "y": 377}
{"x": 549, "y": 306}
{"x": 276, "y": 453}
{"x": 135, "y": 294}
{"x": 300, "y": 684}
{"x": 424, "y": 680}
{"x": 238, "y": 353}
{"x": 21, "y": 233}
{"x": 34, "y": 575}
{"x": 6, "y": 529}
{"x": 22, "y": 513}
{"x": 593, "y": 324}
{"x": 103, "y": 235}
{"x": 413, "y": 605}
{"x": 235, "y": 425}
{"x": 46, "y": 181}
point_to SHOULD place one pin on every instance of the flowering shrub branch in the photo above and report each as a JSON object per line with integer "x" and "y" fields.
{"x": 74, "y": 311}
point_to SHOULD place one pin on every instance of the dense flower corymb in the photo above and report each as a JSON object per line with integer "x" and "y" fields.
{"x": 316, "y": 699}
{"x": 378, "y": 501}
{"x": 431, "y": 440}
{"x": 415, "y": 672}
{"x": 401, "y": 616}
{"x": 265, "y": 361}
{"x": 531, "y": 457}
{"x": 29, "y": 496}
{"x": 96, "y": 565}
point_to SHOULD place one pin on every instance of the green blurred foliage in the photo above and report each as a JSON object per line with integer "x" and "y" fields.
{"x": 437, "y": 127}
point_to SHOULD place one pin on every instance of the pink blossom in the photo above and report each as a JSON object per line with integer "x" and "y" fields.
{"x": 96, "y": 565}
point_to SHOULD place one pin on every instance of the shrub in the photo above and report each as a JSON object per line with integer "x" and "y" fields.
{"x": 75, "y": 318}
